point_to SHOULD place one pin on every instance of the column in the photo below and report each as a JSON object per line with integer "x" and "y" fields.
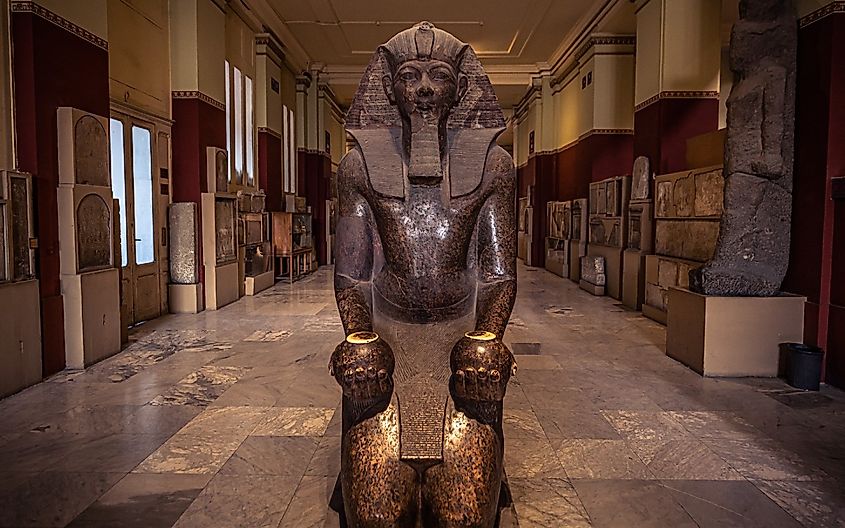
{"x": 269, "y": 60}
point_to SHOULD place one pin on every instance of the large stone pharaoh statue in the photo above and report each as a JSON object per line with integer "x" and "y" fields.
{"x": 425, "y": 282}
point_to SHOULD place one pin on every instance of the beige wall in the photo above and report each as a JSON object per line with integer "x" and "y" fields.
{"x": 334, "y": 126}
{"x": 88, "y": 14}
{"x": 613, "y": 79}
{"x": 211, "y": 49}
{"x": 139, "y": 75}
{"x": 268, "y": 108}
{"x": 568, "y": 111}
{"x": 240, "y": 44}
{"x": 678, "y": 47}
{"x": 649, "y": 50}
{"x": 692, "y": 45}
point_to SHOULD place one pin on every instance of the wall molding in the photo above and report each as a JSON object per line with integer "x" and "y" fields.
{"x": 195, "y": 94}
{"x": 270, "y": 132}
{"x": 823, "y": 12}
{"x": 607, "y": 131}
{"x": 58, "y": 20}
{"x": 605, "y": 40}
{"x": 678, "y": 94}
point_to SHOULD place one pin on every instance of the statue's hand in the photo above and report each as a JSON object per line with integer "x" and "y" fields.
{"x": 363, "y": 366}
{"x": 481, "y": 367}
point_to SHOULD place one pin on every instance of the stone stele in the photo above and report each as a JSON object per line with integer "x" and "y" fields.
{"x": 752, "y": 251}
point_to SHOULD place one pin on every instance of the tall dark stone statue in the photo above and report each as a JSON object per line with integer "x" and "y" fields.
{"x": 425, "y": 282}
{"x": 752, "y": 252}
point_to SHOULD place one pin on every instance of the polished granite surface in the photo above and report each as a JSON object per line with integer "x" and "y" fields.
{"x": 230, "y": 419}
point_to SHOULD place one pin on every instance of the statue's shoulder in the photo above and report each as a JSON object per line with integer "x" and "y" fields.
{"x": 499, "y": 163}
{"x": 352, "y": 171}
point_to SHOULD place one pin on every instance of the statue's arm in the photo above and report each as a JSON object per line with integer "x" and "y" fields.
{"x": 497, "y": 246}
{"x": 353, "y": 246}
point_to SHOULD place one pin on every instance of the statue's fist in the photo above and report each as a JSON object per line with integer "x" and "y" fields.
{"x": 363, "y": 366}
{"x": 481, "y": 367}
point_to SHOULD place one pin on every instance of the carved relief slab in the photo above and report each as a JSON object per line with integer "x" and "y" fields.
{"x": 641, "y": 185}
{"x": 224, "y": 217}
{"x": 592, "y": 270}
{"x": 91, "y": 152}
{"x": 93, "y": 233}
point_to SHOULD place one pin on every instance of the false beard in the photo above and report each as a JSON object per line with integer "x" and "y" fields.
{"x": 425, "y": 163}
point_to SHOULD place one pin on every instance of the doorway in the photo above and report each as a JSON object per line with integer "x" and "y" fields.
{"x": 135, "y": 186}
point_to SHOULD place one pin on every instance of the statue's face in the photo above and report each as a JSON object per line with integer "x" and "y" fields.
{"x": 429, "y": 88}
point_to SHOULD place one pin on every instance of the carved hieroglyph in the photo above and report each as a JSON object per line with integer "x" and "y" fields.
{"x": 91, "y": 152}
{"x": 93, "y": 233}
{"x": 752, "y": 252}
{"x": 224, "y": 213}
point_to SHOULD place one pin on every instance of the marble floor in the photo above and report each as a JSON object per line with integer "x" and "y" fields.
{"x": 230, "y": 419}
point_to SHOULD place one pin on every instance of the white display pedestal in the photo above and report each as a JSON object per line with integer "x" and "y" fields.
{"x": 259, "y": 283}
{"x": 732, "y": 336}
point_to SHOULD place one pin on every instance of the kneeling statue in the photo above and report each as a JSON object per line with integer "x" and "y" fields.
{"x": 425, "y": 282}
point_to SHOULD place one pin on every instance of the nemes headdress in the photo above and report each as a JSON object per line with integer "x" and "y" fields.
{"x": 424, "y": 42}
{"x": 474, "y": 122}
{"x": 479, "y": 107}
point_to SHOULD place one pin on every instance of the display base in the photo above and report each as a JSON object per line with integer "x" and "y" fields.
{"x": 221, "y": 286}
{"x": 259, "y": 283}
{"x": 20, "y": 348}
{"x": 577, "y": 249}
{"x": 185, "y": 298}
{"x": 732, "y": 336}
{"x": 92, "y": 317}
{"x": 633, "y": 279}
{"x": 591, "y": 288}
{"x": 655, "y": 314}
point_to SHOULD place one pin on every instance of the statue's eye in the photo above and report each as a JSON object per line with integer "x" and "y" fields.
{"x": 407, "y": 75}
{"x": 440, "y": 75}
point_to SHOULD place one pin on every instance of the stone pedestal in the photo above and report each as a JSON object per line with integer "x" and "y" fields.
{"x": 732, "y": 336}
{"x": 219, "y": 250}
{"x": 185, "y": 298}
{"x": 633, "y": 278}
{"x": 259, "y": 283}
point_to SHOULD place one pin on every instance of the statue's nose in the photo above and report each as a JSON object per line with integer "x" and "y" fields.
{"x": 425, "y": 90}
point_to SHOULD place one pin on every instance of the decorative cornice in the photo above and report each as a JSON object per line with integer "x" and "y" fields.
{"x": 270, "y": 132}
{"x": 818, "y": 14}
{"x": 607, "y": 131}
{"x": 605, "y": 40}
{"x": 690, "y": 94}
{"x": 194, "y": 94}
{"x": 67, "y": 25}
{"x": 269, "y": 42}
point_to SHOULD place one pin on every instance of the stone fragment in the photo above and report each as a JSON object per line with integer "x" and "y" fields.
{"x": 592, "y": 270}
{"x": 184, "y": 256}
{"x": 709, "y": 193}
{"x": 641, "y": 185}
{"x": 686, "y": 239}
{"x": 753, "y": 249}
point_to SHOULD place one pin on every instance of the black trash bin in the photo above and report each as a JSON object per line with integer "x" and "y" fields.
{"x": 803, "y": 366}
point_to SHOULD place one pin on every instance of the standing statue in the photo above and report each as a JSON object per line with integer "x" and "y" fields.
{"x": 752, "y": 252}
{"x": 425, "y": 280}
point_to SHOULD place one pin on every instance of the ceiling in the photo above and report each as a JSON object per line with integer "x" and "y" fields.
{"x": 513, "y": 38}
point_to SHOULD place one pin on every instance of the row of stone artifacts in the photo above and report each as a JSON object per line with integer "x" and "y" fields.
{"x": 637, "y": 235}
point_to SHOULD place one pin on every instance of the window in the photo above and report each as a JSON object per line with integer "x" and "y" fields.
{"x": 118, "y": 185}
{"x": 142, "y": 179}
{"x": 240, "y": 132}
{"x": 288, "y": 150}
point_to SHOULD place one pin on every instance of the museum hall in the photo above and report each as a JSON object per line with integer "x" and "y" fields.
{"x": 399, "y": 264}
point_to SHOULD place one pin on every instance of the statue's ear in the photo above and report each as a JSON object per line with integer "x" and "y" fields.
{"x": 387, "y": 78}
{"x": 463, "y": 86}
{"x": 387, "y": 84}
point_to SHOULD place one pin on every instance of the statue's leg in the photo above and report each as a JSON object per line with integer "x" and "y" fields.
{"x": 379, "y": 491}
{"x": 463, "y": 491}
